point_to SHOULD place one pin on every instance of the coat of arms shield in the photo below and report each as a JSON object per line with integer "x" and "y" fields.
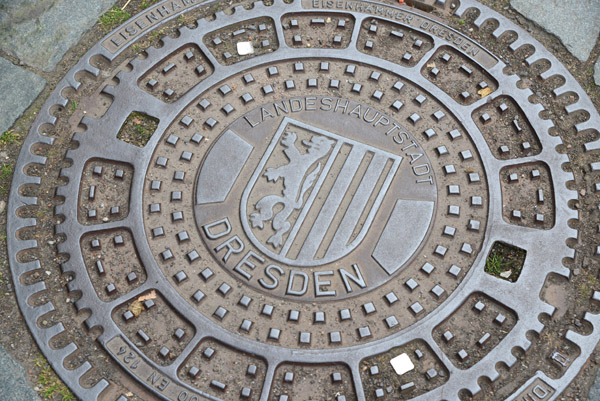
{"x": 314, "y": 194}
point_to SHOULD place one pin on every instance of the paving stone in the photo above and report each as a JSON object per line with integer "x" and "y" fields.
{"x": 13, "y": 385}
{"x": 19, "y": 89}
{"x": 39, "y": 33}
{"x": 575, "y": 23}
{"x": 594, "y": 394}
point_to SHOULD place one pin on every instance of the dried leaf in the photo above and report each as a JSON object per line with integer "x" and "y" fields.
{"x": 136, "y": 308}
{"x": 506, "y": 274}
{"x": 484, "y": 92}
{"x": 430, "y": 65}
{"x": 150, "y": 295}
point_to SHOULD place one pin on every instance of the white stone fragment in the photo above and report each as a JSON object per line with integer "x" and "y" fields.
{"x": 244, "y": 48}
{"x": 402, "y": 364}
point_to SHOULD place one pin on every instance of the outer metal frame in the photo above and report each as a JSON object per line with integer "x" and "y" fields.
{"x": 542, "y": 246}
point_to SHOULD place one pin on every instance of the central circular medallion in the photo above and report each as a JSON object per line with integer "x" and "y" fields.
{"x": 322, "y": 195}
{"x": 332, "y": 179}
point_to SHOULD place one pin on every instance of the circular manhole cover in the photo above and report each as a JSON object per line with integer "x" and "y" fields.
{"x": 333, "y": 200}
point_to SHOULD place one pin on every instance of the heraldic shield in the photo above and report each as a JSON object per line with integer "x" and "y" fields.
{"x": 314, "y": 194}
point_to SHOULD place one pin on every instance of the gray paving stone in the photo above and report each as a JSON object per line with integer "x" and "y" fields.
{"x": 594, "y": 394}
{"x": 39, "y": 32}
{"x": 597, "y": 72}
{"x": 574, "y": 22}
{"x": 19, "y": 88}
{"x": 13, "y": 385}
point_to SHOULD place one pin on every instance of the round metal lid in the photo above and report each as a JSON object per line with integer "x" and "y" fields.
{"x": 341, "y": 200}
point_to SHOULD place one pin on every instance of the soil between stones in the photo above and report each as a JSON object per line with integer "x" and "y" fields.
{"x": 555, "y": 328}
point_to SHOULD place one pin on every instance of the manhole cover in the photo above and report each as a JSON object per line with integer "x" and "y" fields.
{"x": 328, "y": 200}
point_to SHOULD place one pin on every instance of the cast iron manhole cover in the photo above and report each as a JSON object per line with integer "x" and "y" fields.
{"x": 324, "y": 200}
